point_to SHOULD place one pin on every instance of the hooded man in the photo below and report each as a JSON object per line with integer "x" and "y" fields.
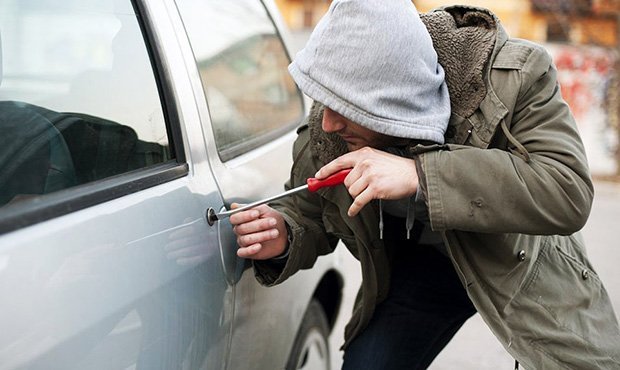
{"x": 455, "y": 204}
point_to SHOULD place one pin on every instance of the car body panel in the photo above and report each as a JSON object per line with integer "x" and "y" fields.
{"x": 70, "y": 290}
{"x": 143, "y": 281}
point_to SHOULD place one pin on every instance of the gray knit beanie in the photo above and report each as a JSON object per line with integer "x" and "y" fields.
{"x": 373, "y": 62}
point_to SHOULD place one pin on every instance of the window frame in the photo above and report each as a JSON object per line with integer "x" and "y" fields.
{"x": 49, "y": 206}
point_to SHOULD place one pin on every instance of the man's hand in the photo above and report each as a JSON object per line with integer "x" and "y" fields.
{"x": 375, "y": 175}
{"x": 261, "y": 232}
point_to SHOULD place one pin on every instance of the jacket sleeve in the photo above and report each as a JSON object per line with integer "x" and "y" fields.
{"x": 496, "y": 191}
{"x": 303, "y": 215}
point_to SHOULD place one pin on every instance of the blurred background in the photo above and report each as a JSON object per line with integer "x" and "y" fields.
{"x": 583, "y": 37}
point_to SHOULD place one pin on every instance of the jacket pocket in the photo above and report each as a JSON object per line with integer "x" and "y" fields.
{"x": 572, "y": 295}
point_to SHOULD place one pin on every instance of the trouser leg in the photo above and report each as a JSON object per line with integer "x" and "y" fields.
{"x": 425, "y": 308}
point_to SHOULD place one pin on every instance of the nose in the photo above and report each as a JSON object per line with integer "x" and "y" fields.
{"x": 332, "y": 121}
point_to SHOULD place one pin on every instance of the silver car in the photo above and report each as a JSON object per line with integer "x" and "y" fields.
{"x": 122, "y": 122}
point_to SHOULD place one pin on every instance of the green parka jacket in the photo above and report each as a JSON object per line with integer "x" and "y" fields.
{"x": 508, "y": 192}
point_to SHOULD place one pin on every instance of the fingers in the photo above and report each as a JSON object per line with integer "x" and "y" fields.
{"x": 243, "y": 216}
{"x": 360, "y": 201}
{"x": 257, "y": 238}
{"x": 355, "y": 182}
{"x": 251, "y": 245}
{"x": 255, "y": 226}
{"x": 250, "y": 251}
{"x": 375, "y": 174}
{"x": 362, "y": 188}
{"x": 348, "y": 160}
{"x": 259, "y": 233}
{"x": 252, "y": 229}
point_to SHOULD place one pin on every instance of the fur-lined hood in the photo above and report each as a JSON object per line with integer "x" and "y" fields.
{"x": 464, "y": 38}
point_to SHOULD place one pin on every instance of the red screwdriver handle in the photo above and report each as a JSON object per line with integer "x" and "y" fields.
{"x": 315, "y": 184}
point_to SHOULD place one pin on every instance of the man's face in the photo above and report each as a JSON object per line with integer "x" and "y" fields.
{"x": 356, "y": 136}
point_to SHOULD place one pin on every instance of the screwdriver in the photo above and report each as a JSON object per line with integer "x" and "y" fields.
{"x": 312, "y": 184}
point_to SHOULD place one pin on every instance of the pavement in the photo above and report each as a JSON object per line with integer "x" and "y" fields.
{"x": 474, "y": 347}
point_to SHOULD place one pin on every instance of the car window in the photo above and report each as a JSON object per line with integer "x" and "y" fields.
{"x": 243, "y": 67}
{"x": 79, "y": 100}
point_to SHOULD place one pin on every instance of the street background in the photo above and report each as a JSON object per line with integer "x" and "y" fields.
{"x": 582, "y": 37}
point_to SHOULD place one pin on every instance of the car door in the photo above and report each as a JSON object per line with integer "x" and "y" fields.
{"x": 106, "y": 259}
{"x": 251, "y": 108}
{"x": 252, "y": 104}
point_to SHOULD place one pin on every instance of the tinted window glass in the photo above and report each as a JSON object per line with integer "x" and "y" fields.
{"x": 78, "y": 97}
{"x": 243, "y": 68}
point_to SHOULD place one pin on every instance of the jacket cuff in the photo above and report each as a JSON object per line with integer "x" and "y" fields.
{"x": 275, "y": 270}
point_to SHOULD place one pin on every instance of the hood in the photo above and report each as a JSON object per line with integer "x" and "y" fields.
{"x": 464, "y": 39}
{"x": 373, "y": 62}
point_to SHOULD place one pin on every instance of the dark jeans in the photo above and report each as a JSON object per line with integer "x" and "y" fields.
{"x": 426, "y": 306}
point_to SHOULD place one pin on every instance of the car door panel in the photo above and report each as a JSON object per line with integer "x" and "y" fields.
{"x": 132, "y": 282}
{"x": 71, "y": 290}
{"x": 249, "y": 162}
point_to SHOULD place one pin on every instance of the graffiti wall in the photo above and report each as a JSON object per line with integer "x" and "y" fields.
{"x": 586, "y": 76}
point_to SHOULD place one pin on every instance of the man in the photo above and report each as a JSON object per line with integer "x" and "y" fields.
{"x": 483, "y": 222}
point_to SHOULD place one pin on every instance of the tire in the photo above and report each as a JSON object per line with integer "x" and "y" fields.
{"x": 311, "y": 347}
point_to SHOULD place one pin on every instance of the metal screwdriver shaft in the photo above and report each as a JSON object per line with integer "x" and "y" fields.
{"x": 259, "y": 202}
{"x": 312, "y": 185}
